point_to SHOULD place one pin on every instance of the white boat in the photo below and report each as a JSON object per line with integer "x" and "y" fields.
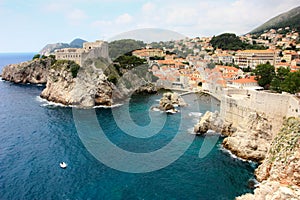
{"x": 63, "y": 165}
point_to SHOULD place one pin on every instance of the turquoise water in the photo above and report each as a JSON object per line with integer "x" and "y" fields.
{"x": 36, "y": 136}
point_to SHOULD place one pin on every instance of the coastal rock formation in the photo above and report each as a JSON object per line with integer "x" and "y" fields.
{"x": 69, "y": 84}
{"x": 170, "y": 100}
{"x": 213, "y": 121}
{"x": 280, "y": 170}
{"x": 148, "y": 89}
{"x": 252, "y": 139}
{"x": 35, "y": 71}
{"x": 273, "y": 190}
{"x": 89, "y": 88}
{"x": 133, "y": 82}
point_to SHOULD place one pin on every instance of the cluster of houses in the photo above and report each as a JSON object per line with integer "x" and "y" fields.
{"x": 208, "y": 68}
{"x": 205, "y": 66}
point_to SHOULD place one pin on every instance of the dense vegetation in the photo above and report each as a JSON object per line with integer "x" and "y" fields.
{"x": 121, "y": 47}
{"x": 280, "y": 81}
{"x": 123, "y": 64}
{"x": 229, "y": 41}
{"x": 68, "y": 65}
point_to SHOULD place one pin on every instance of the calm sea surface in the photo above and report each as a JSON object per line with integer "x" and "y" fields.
{"x": 36, "y": 136}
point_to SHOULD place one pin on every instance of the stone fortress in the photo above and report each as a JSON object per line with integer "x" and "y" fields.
{"x": 91, "y": 50}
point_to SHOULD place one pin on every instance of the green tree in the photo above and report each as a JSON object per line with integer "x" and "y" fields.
{"x": 265, "y": 74}
{"x": 276, "y": 84}
{"x": 36, "y": 56}
{"x": 291, "y": 83}
{"x": 282, "y": 72}
{"x": 74, "y": 69}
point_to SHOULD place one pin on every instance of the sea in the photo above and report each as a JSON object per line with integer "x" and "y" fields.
{"x": 129, "y": 151}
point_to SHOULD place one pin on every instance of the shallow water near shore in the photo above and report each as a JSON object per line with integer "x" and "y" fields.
{"x": 36, "y": 137}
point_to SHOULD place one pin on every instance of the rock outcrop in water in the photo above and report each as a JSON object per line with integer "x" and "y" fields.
{"x": 170, "y": 100}
{"x": 35, "y": 71}
{"x": 213, "y": 121}
{"x": 280, "y": 170}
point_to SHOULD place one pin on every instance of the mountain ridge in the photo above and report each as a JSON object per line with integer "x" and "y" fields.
{"x": 50, "y": 48}
{"x": 290, "y": 18}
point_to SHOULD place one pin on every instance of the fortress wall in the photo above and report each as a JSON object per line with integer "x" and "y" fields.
{"x": 294, "y": 107}
{"x": 234, "y": 108}
{"x": 96, "y": 53}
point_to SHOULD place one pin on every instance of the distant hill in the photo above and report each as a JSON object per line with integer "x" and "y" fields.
{"x": 121, "y": 47}
{"x": 290, "y": 18}
{"x": 50, "y": 48}
{"x": 149, "y": 35}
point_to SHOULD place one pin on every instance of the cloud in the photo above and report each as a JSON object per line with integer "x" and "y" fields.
{"x": 101, "y": 23}
{"x": 124, "y": 19}
{"x": 148, "y": 7}
{"x": 55, "y": 7}
{"x": 76, "y": 15}
{"x": 196, "y": 18}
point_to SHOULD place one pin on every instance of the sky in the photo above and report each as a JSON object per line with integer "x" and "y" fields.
{"x": 27, "y": 26}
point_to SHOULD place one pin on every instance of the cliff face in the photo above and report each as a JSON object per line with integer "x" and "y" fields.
{"x": 252, "y": 139}
{"x": 85, "y": 86}
{"x": 35, "y": 71}
{"x": 280, "y": 170}
{"x": 89, "y": 88}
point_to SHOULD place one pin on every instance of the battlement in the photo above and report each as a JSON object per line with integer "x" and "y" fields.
{"x": 91, "y": 50}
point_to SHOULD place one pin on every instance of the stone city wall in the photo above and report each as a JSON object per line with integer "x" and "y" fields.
{"x": 237, "y": 105}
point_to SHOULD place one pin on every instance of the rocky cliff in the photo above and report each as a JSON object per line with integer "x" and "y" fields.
{"x": 250, "y": 140}
{"x": 35, "y": 71}
{"x": 86, "y": 86}
{"x": 280, "y": 170}
{"x": 87, "y": 89}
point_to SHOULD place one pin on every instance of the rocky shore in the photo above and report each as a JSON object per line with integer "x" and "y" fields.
{"x": 69, "y": 84}
{"x": 89, "y": 88}
{"x": 250, "y": 141}
{"x": 279, "y": 169}
{"x": 35, "y": 72}
{"x": 279, "y": 172}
